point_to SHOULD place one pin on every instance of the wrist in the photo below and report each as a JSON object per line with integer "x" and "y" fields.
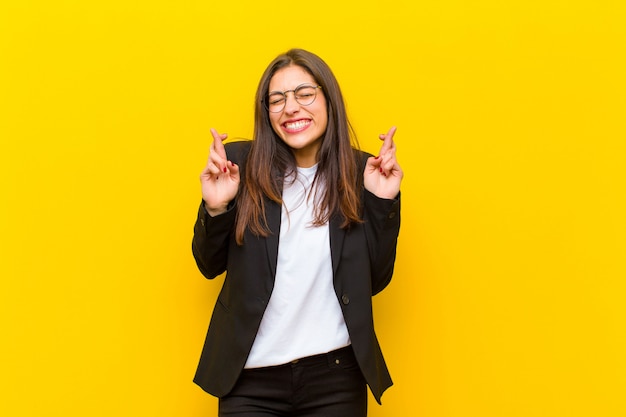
{"x": 215, "y": 211}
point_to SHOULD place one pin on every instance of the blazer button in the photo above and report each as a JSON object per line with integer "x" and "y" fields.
{"x": 345, "y": 299}
{"x": 392, "y": 214}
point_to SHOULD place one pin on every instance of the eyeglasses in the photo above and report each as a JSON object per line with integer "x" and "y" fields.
{"x": 304, "y": 94}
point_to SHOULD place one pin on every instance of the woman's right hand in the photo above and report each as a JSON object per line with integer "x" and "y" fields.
{"x": 220, "y": 177}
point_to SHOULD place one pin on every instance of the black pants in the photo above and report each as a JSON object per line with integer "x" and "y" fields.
{"x": 326, "y": 385}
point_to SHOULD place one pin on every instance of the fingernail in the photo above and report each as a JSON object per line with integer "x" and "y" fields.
{"x": 225, "y": 169}
{"x": 381, "y": 170}
{"x": 377, "y": 157}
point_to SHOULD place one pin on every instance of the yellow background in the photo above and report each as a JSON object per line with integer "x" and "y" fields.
{"x": 508, "y": 297}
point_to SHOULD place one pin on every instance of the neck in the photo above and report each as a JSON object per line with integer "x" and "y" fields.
{"x": 305, "y": 160}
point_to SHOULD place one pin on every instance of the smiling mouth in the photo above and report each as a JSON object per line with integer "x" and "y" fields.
{"x": 297, "y": 125}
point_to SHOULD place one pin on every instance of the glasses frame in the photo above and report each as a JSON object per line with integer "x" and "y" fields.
{"x": 266, "y": 103}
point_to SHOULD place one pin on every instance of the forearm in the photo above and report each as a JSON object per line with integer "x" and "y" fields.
{"x": 382, "y": 225}
{"x": 211, "y": 239}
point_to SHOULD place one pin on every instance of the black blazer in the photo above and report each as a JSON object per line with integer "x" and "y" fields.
{"x": 363, "y": 259}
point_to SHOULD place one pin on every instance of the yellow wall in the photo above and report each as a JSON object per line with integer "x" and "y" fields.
{"x": 508, "y": 298}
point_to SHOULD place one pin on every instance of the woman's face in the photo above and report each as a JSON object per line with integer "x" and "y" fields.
{"x": 300, "y": 127}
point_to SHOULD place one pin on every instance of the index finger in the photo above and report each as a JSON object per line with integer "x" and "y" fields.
{"x": 217, "y": 144}
{"x": 387, "y": 140}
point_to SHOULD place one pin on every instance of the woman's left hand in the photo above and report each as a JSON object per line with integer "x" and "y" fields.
{"x": 383, "y": 174}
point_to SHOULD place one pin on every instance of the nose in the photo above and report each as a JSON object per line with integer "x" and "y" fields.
{"x": 291, "y": 105}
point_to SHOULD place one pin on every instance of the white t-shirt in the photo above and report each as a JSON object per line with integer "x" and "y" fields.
{"x": 303, "y": 316}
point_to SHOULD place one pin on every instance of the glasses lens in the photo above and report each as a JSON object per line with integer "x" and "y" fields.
{"x": 275, "y": 102}
{"x": 305, "y": 94}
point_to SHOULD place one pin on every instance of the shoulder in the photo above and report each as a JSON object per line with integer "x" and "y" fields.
{"x": 362, "y": 154}
{"x": 361, "y": 158}
{"x": 238, "y": 151}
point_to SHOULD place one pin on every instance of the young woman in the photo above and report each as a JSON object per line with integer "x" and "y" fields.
{"x": 306, "y": 226}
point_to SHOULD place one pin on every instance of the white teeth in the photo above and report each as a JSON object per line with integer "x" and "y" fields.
{"x": 297, "y": 125}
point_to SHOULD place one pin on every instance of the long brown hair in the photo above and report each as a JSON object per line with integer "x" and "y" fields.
{"x": 270, "y": 159}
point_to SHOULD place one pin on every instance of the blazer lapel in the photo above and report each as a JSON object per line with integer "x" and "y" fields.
{"x": 337, "y": 235}
{"x": 272, "y": 212}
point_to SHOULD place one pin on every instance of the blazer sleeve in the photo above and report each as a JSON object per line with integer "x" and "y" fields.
{"x": 382, "y": 226}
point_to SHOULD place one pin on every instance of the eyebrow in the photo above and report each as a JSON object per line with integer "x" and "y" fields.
{"x": 310, "y": 84}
